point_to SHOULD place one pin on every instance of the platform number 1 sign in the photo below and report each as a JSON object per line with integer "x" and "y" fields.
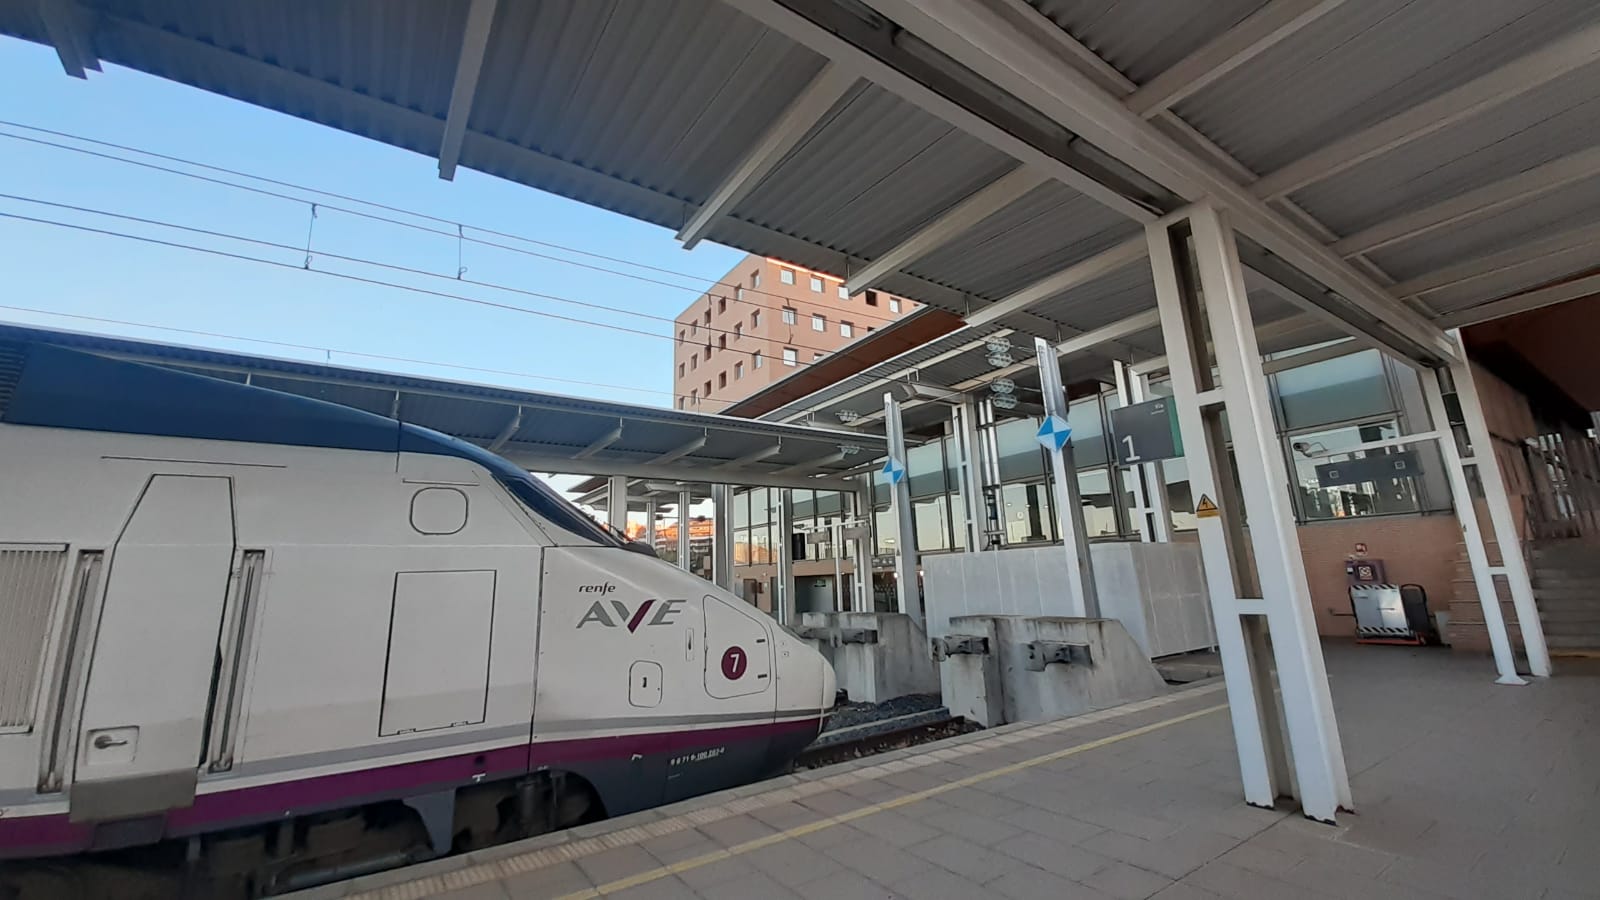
{"x": 1146, "y": 432}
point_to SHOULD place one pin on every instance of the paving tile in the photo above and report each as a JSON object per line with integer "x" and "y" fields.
{"x": 751, "y": 886}
{"x": 937, "y": 884}
{"x": 894, "y": 827}
{"x": 1053, "y": 856}
{"x": 713, "y": 873}
{"x": 832, "y": 803}
{"x": 965, "y": 858}
{"x": 736, "y": 830}
{"x": 971, "y": 826}
{"x": 488, "y": 890}
{"x": 791, "y": 862}
{"x": 1054, "y": 825}
{"x": 679, "y": 846}
{"x": 1234, "y": 882}
{"x": 668, "y": 888}
{"x": 1180, "y": 891}
{"x": 1127, "y": 882}
{"x": 980, "y": 802}
{"x": 546, "y": 883}
{"x": 847, "y": 885}
{"x": 786, "y": 815}
{"x": 1027, "y": 883}
{"x": 1264, "y": 860}
{"x": 611, "y": 865}
{"x": 876, "y": 858}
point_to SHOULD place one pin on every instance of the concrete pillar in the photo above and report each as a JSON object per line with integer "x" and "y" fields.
{"x": 651, "y": 510}
{"x": 617, "y": 503}
{"x": 964, "y": 425}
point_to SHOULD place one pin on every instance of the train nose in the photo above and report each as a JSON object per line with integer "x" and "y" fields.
{"x": 830, "y": 686}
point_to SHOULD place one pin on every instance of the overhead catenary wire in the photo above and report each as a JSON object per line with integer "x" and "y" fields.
{"x": 349, "y": 277}
{"x": 307, "y": 250}
{"x": 457, "y": 230}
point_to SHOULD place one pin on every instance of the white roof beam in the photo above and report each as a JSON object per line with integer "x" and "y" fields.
{"x": 1335, "y": 350}
{"x": 536, "y": 461}
{"x": 1579, "y": 242}
{"x": 811, "y": 465}
{"x": 876, "y": 385}
{"x": 1103, "y": 263}
{"x": 680, "y": 452}
{"x": 766, "y": 452}
{"x": 469, "y": 64}
{"x": 1006, "y": 50}
{"x": 1578, "y": 48}
{"x": 1258, "y": 32}
{"x": 507, "y": 432}
{"x": 783, "y": 135}
{"x": 1526, "y": 301}
{"x": 68, "y": 26}
{"x": 979, "y": 205}
{"x": 600, "y": 443}
{"x": 1522, "y": 186}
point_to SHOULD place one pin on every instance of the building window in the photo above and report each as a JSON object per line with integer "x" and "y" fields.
{"x": 680, "y": 335}
{"x": 738, "y": 293}
{"x": 694, "y": 398}
{"x": 872, "y": 298}
{"x": 722, "y": 379}
{"x": 788, "y": 315}
{"x": 786, "y": 276}
{"x": 680, "y": 403}
{"x": 707, "y": 391}
{"x": 819, "y": 322}
{"x": 738, "y": 330}
{"x": 755, "y": 359}
{"x": 755, "y": 319}
{"x": 722, "y": 305}
{"x": 790, "y": 356}
{"x": 722, "y": 342}
{"x": 755, "y": 278}
{"x": 816, "y": 285}
{"x": 738, "y": 371}
{"x": 894, "y": 304}
{"x": 846, "y": 330}
{"x": 694, "y": 361}
{"x": 694, "y": 326}
{"x": 708, "y": 315}
{"x": 844, "y": 292}
{"x": 818, "y": 355}
{"x": 680, "y": 370}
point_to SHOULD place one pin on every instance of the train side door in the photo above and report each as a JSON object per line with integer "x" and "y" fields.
{"x": 144, "y": 711}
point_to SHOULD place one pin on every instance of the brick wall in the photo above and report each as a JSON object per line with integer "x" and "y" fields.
{"x": 1414, "y": 549}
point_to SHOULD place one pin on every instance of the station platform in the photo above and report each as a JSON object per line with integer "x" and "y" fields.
{"x": 1464, "y": 789}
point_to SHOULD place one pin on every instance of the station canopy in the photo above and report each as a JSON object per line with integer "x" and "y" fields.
{"x": 541, "y": 432}
{"x": 1391, "y": 169}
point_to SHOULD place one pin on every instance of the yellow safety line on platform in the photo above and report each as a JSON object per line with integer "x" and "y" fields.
{"x": 696, "y": 862}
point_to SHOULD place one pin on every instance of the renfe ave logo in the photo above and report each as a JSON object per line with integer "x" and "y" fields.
{"x": 611, "y": 613}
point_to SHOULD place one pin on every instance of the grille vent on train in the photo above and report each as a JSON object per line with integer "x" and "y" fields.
{"x": 12, "y": 354}
{"x": 30, "y": 576}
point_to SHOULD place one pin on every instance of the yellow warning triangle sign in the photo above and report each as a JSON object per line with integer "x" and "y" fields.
{"x": 1205, "y": 509}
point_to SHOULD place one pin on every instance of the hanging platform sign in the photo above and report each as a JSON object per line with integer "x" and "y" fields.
{"x": 1373, "y": 467}
{"x": 1146, "y": 432}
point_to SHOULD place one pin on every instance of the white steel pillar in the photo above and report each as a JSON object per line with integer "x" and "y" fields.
{"x": 1512, "y": 564}
{"x": 722, "y": 536}
{"x": 964, "y": 421}
{"x": 651, "y": 510}
{"x": 1081, "y": 599}
{"x": 1471, "y": 533}
{"x": 685, "y": 500}
{"x": 1208, "y": 288}
{"x": 783, "y": 605}
{"x": 908, "y": 595}
{"x": 1147, "y": 481}
{"x": 617, "y": 503}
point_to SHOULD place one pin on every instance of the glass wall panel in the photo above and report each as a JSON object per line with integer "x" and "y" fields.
{"x": 1026, "y": 509}
{"x": 805, "y": 505}
{"x": 886, "y": 531}
{"x": 830, "y": 503}
{"x": 925, "y": 469}
{"x": 741, "y": 509}
{"x": 1380, "y": 497}
{"x": 1088, "y": 433}
{"x": 958, "y": 522}
{"x": 761, "y": 546}
{"x": 933, "y": 524}
{"x": 1334, "y": 390}
{"x": 1099, "y": 514}
{"x": 1020, "y": 454}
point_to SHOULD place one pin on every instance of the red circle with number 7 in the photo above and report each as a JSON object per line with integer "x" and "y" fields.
{"x": 734, "y": 662}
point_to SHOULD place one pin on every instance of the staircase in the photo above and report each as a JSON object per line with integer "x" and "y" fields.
{"x": 1566, "y": 584}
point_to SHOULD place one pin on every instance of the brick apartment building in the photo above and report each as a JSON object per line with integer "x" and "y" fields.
{"x": 764, "y": 321}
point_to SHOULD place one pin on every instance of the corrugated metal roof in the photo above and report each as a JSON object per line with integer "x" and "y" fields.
{"x": 1364, "y": 61}
{"x": 870, "y": 174}
{"x": 1571, "y": 207}
{"x": 1549, "y": 122}
{"x": 1143, "y": 38}
{"x": 1116, "y": 296}
{"x": 1046, "y": 231}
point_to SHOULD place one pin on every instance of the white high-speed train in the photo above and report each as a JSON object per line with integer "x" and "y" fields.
{"x": 289, "y": 641}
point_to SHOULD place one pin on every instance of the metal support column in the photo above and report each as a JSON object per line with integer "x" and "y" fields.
{"x": 617, "y": 503}
{"x": 864, "y": 547}
{"x": 1147, "y": 482}
{"x": 908, "y": 594}
{"x": 1472, "y": 535}
{"x": 1512, "y": 564}
{"x": 783, "y": 601}
{"x": 685, "y": 500}
{"x": 722, "y": 536}
{"x": 1193, "y": 292}
{"x": 1081, "y": 599}
{"x": 964, "y": 425}
{"x": 651, "y": 510}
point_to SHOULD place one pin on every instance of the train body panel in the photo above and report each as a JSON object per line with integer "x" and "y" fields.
{"x": 213, "y": 633}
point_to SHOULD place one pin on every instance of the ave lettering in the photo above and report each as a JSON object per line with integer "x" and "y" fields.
{"x": 611, "y": 613}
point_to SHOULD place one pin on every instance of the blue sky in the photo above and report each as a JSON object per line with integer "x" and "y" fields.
{"x": 65, "y": 271}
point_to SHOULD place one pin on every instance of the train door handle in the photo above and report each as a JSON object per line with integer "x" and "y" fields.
{"x": 106, "y": 742}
